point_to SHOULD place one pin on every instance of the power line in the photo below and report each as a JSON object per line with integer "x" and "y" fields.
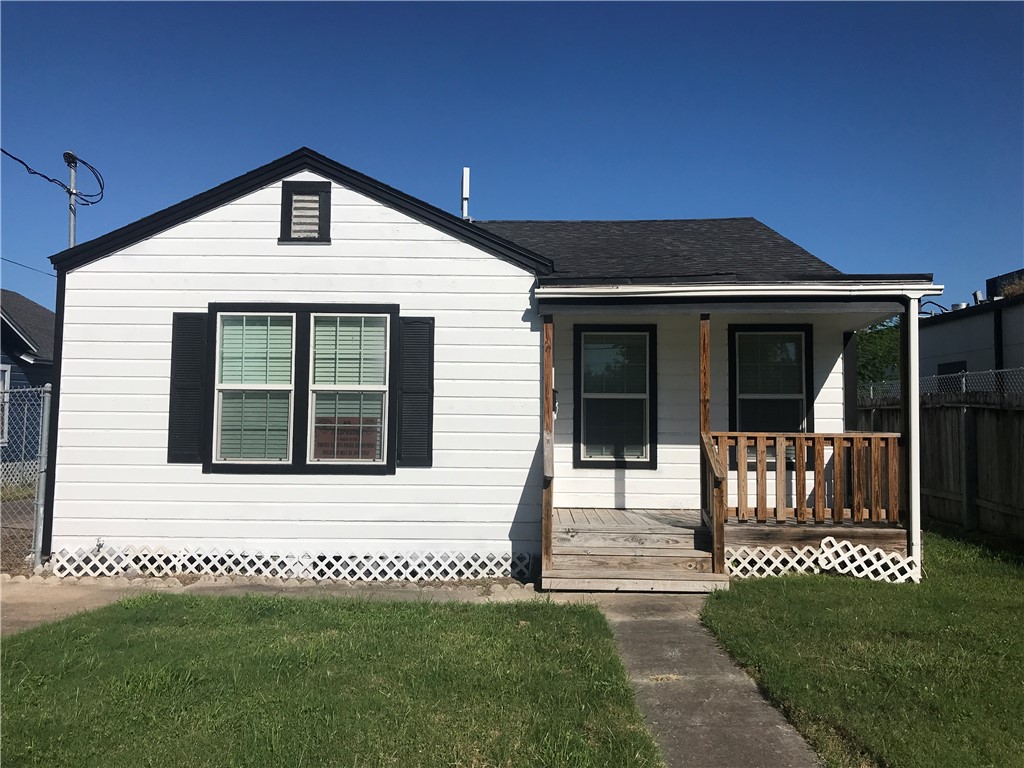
{"x": 34, "y": 172}
{"x": 26, "y": 266}
{"x": 82, "y": 198}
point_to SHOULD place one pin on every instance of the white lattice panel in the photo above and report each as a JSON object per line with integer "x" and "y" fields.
{"x": 411, "y": 566}
{"x": 831, "y": 555}
{"x": 756, "y": 562}
{"x": 867, "y": 563}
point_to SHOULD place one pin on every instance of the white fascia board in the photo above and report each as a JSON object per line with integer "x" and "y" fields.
{"x": 745, "y": 290}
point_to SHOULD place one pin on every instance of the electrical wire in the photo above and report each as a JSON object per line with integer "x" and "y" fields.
{"x": 93, "y": 197}
{"x": 26, "y": 266}
{"x": 81, "y": 198}
{"x": 935, "y": 303}
{"x": 34, "y": 172}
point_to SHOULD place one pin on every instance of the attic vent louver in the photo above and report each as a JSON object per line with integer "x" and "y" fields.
{"x": 306, "y": 212}
{"x": 305, "y": 216}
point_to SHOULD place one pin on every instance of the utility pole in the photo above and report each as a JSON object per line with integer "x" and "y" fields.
{"x": 72, "y": 161}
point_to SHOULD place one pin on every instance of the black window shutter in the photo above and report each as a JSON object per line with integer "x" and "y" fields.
{"x": 416, "y": 393}
{"x": 188, "y": 374}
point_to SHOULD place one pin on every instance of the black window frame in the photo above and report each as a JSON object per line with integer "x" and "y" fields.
{"x": 578, "y": 460}
{"x": 300, "y": 463}
{"x": 288, "y": 190}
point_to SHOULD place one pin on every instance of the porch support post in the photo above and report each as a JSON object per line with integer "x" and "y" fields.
{"x": 911, "y": 423}
{"x": 712, "y": 488}
{"x": 704, "y": 355}
{"x": 548, "y": 411}
{"x": 704, "y": 422}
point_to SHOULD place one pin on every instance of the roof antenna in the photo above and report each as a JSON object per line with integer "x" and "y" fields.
{"x": 465, "y": 194}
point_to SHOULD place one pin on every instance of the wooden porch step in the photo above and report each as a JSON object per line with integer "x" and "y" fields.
{"x": 639, "y": 562}
{"x": 589, "y": 537}
{"x": 631, "y": 581}
{"x": 633, "y": 550}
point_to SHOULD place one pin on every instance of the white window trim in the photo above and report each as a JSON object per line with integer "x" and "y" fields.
{"x": 802, "y": 397}
{"x": 314, "y": 388}
{"x": 220, "y": 388}
{"x": 5, "y": 401}
{"x": 645, "y": 396}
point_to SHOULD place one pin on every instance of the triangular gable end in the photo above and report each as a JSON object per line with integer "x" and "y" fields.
{"x": 301, "y": 160}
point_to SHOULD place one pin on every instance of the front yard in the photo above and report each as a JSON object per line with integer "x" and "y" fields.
{"x": 906, "y": 676}
{"x": 173, "y": 680}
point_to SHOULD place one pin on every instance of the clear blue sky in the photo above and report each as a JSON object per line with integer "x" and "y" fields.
{"x": 881, "y": 137}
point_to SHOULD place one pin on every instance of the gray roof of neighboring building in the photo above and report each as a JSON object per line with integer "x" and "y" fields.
{"x": 743, "y": 249}
{"x": 32, "y": 321}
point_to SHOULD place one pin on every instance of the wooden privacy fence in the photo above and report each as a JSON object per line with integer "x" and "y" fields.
{"x": 972, "y": 448}
{"x": 850, "y": 477}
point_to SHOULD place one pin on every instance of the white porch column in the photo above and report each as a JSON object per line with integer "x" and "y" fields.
{"x": 913, "y": 433}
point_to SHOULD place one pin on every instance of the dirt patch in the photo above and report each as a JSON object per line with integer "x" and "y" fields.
{"x": 27, "y": 605}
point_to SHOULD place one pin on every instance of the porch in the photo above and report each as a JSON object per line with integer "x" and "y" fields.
{"x": 768, "y": 502}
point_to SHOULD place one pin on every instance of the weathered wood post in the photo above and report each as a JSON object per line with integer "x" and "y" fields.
{"x": 712, "y": 474}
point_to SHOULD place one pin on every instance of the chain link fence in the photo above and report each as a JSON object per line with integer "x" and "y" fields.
{"x": 1002, "y": 383}
{"x": 23, "y": 415}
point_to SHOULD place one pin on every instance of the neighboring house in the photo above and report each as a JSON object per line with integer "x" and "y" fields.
{"x": 304, "y": 371}
{"x": 26, "y": 360}
{"x": 987, "y": 336}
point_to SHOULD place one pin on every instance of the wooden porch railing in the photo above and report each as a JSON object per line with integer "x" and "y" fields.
{"x": 851, "y": 477}
{"x": 714, "y": 499}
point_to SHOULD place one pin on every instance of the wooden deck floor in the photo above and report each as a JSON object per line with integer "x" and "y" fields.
{"x": 636, "y": 519}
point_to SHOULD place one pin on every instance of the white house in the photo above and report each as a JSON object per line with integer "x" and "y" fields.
{"x": 304, "y": 371}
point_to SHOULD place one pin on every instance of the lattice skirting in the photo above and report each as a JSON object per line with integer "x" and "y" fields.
{"x": 408, "y": 566}
{"x": 830, "y": 556}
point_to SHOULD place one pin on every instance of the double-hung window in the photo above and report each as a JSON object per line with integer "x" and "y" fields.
{"x": 304, "y": 388}
{"x": 771, "y": 393}
{"x": 615, "y": 400}
{"x": 770, "y": 379}
{"x": 255, "y": 387}
{"x": 349, "y": 387}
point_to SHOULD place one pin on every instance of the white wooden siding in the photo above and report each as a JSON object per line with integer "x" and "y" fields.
{"x": 113, "y": 482}
{"x": 676, "y": 481}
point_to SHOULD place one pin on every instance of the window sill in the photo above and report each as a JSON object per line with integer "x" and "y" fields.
{"x": 298, "y": 469}
{"x": 301, "y": 241}
{"x": 615, "y": 463}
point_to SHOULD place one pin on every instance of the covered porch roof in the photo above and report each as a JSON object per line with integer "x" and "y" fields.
{"x": 860, "y": 299}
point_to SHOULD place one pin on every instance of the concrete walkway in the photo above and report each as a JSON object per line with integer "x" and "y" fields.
{"x": 701, "y": 708}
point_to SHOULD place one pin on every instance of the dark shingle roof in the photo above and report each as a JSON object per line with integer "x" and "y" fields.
{"x": 740, "y": 249}
{"x": 33, "y": 321}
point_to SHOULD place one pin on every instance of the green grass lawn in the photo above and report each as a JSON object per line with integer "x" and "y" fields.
{"x": 924, "y": 675}
{"x": 176, "y": 680}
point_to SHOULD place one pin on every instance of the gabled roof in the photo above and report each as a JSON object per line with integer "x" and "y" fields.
{"x": 744, "y": 250}
{"x": 303, "y": 159}
{"x": 32, "y": 322}
{"x": 737, "y": 250}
